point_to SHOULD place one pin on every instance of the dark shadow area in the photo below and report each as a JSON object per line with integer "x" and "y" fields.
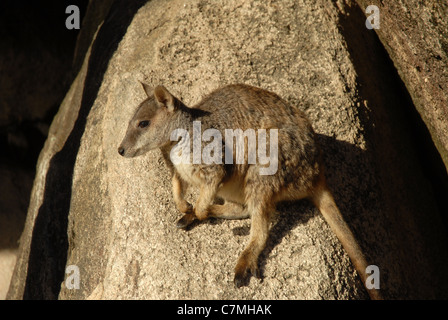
{"x": 36, "y": 54}
{"x": 367, "y": 54}
{"x": 48, "y": 252}
{"x": 410, "y": 170}
{"x": 36, "y": 71}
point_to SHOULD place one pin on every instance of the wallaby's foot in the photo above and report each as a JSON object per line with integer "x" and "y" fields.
{"x": 247, "y": 265}
{"x": 186, "y": 220}
{"x": 228, "y": 210}
{"x": 191, "y": 216}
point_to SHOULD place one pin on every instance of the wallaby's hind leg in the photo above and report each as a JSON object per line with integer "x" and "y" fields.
{"x": 323, "y": 200}
{"x": 260, "y": 208}
{"x": 228, "y": 210}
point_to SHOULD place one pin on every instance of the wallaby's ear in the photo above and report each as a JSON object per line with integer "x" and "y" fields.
{"x": 148, "y": 89}
{"x": 164, "y": 98}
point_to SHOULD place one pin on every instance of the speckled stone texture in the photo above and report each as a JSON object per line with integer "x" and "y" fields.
{"x": 114, "y": 218}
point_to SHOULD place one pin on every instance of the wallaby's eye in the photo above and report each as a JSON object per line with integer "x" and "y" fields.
{"x": 143, "y": 124}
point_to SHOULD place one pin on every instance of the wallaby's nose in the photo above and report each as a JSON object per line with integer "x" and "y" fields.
{"x": 121, "y": 151}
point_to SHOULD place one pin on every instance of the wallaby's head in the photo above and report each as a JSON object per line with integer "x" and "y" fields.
{"x": 152, "y": 123}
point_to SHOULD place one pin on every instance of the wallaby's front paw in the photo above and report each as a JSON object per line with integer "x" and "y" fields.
{"x": 186, "y": 220}
{"x": 244, "y": 269}
{"x": 185, "y": 207}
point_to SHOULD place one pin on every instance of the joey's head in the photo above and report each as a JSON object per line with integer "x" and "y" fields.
{"x": 152, "y": 123}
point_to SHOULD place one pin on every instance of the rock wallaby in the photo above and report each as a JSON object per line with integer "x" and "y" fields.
{"x": 233, "y": 172}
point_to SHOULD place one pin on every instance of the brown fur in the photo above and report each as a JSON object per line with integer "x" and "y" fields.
{"x": 245, "y": 191}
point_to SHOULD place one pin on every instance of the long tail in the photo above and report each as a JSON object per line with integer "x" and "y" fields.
{"x": 323, "y": 200}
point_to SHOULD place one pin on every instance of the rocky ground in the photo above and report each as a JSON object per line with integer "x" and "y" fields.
{"x": 114, "y": 218}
